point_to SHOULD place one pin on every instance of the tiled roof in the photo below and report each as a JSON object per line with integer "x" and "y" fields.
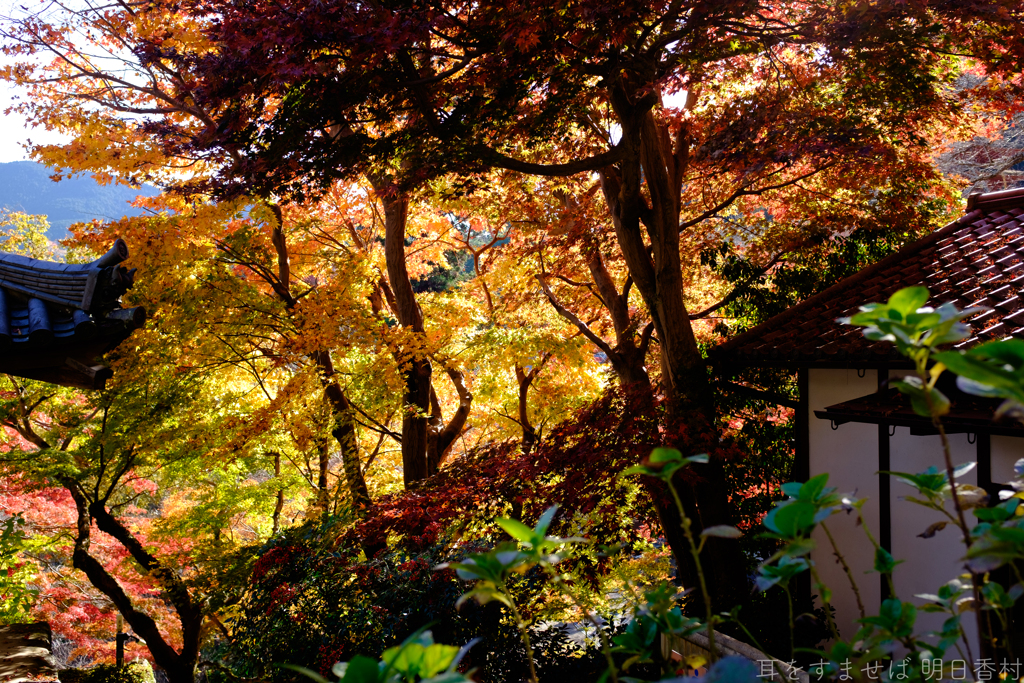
{"x": 978, "y": 260}
{"x": 57, "y": 319}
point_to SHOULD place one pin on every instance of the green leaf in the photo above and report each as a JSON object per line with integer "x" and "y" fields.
{"x": 484, "y": 595}
{"x": 920, "y": 395}
{"x": 722, "y": 531}
{"x": 962, "y": 469}
{"x": 908, "y": 300}
{"x": 810, "y": 490}
{"x": 663, "y": 455}
{"x": 516, "y": 529}
{"x": 884, "y": 561}
{"x": 361, "y": 670}
{"x": 793, "y": 519}
{"x": 639, "y": 469}
{"x": 799, "y": 547}
{"x": 792, "y": 489}
{"x": 436, "y": 659}
{"x": 545, "y": 520}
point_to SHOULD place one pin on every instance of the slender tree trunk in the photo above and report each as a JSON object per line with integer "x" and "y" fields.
{"x": 440, "y": 436}
{"x": 525, "y": 379}
{"x": 323, "y": 469}
{"x": 179, "y": 666}
{"x": 279, "y": 507}
{"x": 343, "y": 429}
{"x": 630, "y": 355}
{"x": 343, "y": 421}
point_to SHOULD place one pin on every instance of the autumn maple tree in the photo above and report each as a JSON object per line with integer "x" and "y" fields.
{"x": 783, "y": 112}
{"x": 323, "y": 161}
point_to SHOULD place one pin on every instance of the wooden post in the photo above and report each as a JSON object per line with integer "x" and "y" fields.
{"x": 119, "y": 642}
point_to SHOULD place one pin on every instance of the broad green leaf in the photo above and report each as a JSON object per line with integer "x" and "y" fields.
{"x": 662, "y": 455}
{"x": 791, "y": 489}
{"x": 436, "y": 659}
{"x": 722, "y": 531}
{"x": 884, "y": 561}
{"x": 799, "y": 547}
{"x": 545, "y": 520}
{"x": 361, "y": 670}
{"x": 813, "y": 487}
{"x": 515, "y": 529}
{"x": 793, "y": 519}
{"x": 908, "y": 300}
{"x": 483, "y": 596}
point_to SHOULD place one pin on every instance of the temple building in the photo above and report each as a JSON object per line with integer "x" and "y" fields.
{"x": 854, "y": 426}
{"x": 57, "y": 320}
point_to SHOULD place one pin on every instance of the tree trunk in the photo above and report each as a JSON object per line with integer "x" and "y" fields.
{"x": 343, "y": 429}
{"x": 179, "y": 666}
{"x": 656, "y": 270}
{"x": 426, "y": 440}
{"x": 343, "y": 421}
{"x": 440, "y": 436}
{"x": 415, "y": 366}
{"x": 525, "y": 379}
{"x": 323, "y": 469}
{"x": 279, "y": 506}
{"x": 629, "y": 358}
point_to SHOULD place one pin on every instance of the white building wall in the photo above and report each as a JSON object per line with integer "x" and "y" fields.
{"x": 927, "y": 562}
{"x": 849, "y": 455}
{"x": 1006, "y": 450}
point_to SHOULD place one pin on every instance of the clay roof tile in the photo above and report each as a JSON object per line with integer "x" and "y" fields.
{"x": 976, "y": 260}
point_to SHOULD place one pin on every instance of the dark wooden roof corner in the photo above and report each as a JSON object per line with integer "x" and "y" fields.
{"x": 57, "y": 319}
{"x": 977, "y": 260}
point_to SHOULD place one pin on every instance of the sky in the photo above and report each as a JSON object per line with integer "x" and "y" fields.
{"x": 14, "y": 130}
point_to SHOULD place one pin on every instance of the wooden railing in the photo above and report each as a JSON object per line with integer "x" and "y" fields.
{"x": 769, "y": 668}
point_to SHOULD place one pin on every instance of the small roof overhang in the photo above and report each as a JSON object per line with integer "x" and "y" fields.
{"x": 968, "y": 414}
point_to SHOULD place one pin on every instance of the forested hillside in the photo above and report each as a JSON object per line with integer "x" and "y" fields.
{"x": 26, "y": 186}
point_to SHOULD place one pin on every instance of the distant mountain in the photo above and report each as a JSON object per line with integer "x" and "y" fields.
{"x": 26, "y": 186}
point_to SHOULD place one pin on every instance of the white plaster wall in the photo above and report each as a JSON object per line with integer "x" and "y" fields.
{"x": 927, "y": 562}
{"x": 849, "y": 455}
{"x": 1006, "y": 450}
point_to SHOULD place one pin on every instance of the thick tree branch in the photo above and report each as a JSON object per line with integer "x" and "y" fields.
{"x": 446, "y": 437}
{"x": 574, "y": 319}
{"x": 598, "y": 161}
{"x": 284, "y": 271}
{"x": 177, "y": 665}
